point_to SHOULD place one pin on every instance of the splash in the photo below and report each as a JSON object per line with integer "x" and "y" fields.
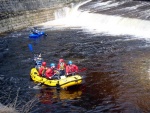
{"x": 101, "y": 23}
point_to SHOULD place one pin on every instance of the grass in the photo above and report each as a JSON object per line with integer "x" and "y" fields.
{"x": 18, "y": 107}
{"x": 7, "y": 109}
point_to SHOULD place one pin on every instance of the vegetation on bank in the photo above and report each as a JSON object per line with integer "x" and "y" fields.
{"x": 7, "y": 109}
{"x": 17, "y": 106}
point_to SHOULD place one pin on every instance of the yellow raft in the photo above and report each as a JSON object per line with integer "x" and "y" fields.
{"x": 63, "y": 82}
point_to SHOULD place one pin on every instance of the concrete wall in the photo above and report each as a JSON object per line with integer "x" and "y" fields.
{"x": 17, "y": 14}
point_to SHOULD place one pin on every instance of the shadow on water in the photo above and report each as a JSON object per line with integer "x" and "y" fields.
{"x": 100, "y": 93}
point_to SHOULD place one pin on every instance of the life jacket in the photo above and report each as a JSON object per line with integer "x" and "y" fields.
{"x": 42, "y": 70}
{"x": 50, "y": 72}
{"x": 71, "y": 68}
{"x": 61, "y": 66}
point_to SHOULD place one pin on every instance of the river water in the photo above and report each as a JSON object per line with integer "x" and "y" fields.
{"x": 109, "y": 38}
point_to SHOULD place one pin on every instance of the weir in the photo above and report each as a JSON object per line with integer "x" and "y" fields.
{"x": 99, "y": 23}
{"x": 19, "y": 14}
{"x": 96, "y": 18}
{"x": 110, "y": 17}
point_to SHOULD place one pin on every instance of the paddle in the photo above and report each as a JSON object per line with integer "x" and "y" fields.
{"x": 30, "y": 47}
{"x": 31, "y": 50}
{"x": 83, "y": 69}
{"x": 57, "y": 86}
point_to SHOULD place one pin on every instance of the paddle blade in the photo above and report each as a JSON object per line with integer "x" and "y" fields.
{"x": 30, "y": 47}
{"x": 83, "y": 69}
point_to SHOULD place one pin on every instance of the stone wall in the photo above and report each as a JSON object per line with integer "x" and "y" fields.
{"x": 17, "y": 14}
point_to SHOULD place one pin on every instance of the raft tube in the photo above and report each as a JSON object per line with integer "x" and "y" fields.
{"x": 63, "y": 83}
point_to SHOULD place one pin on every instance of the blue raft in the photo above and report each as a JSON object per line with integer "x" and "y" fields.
{"x": 37, "y": 35}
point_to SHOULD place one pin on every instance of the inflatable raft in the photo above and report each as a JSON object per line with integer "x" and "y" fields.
{"x": 32, "y": 35}
{"x": 63, "y": 83}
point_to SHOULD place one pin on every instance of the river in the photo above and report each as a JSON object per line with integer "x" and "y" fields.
{"x": 114, "y": 49}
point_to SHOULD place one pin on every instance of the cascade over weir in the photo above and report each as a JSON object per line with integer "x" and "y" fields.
{"x": 17, "y": 14}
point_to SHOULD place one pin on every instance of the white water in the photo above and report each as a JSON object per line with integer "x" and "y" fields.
{"x": 100, "y": 23}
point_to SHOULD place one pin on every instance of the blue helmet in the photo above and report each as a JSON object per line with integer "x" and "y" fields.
{"x": 52, "y": 64}
{"x": 70, "y": 62}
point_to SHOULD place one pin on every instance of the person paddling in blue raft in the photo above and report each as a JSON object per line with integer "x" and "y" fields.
{"x": 34, "y": 30}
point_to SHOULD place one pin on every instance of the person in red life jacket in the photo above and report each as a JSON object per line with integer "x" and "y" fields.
{"x": 71, "y": 68}
{"x": 61, "y": 66}
{"x": 42, "y": 69}
{"x": 52, "y": 73}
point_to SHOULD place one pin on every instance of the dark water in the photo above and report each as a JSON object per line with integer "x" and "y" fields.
{"x": 116, "y": 80}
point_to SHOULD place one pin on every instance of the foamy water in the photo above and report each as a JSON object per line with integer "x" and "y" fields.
{"x": 101, "y": 23}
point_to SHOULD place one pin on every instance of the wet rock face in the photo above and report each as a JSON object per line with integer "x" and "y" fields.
{"x": 12, "y": 8}
{"x": 17, "y": 14}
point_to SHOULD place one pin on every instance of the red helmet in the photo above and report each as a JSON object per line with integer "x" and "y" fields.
{"x": 43, "y": 63}
{"x": 61, "y": 60}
